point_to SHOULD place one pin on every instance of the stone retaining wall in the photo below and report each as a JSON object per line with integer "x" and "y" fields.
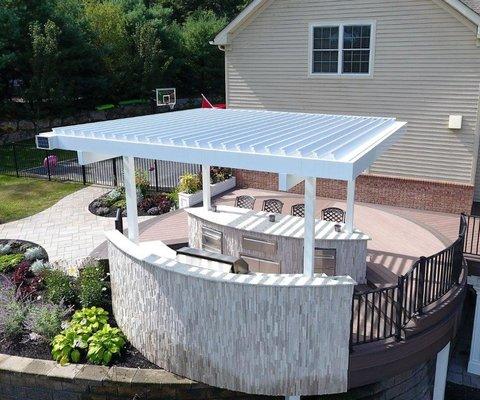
{"x": 447, "y": 197}
{"x": 17, "y": 130}
{"x": 30, "y": 379}
{"x": 239, "y": 332}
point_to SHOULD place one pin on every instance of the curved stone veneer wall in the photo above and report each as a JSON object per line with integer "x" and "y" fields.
{"x": 262, "y": 334}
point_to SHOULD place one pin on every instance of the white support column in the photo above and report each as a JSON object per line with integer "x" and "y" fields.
{"x": 474, "y": 360}
{"x": 441, "y": 373}
{"x": 309, "y": 237}
{"x": 206, "y": 186}
{"x": 350, "y": 206}
{"x": 131, "y": 197}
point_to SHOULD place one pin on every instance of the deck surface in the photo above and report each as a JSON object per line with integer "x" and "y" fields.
{"x": 399, "y": 235}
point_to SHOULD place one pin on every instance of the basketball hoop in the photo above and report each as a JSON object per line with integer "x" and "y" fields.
{"x": 166, "y": 97}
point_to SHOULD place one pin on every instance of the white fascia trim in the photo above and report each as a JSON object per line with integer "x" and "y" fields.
{"x": 223, "y": 37}
{"x": 467, "y": 12}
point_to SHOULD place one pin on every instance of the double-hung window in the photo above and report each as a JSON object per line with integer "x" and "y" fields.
{"x": 342, "y": 49}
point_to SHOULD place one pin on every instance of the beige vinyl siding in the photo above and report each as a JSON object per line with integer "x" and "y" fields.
{"x": 426, "y": 67}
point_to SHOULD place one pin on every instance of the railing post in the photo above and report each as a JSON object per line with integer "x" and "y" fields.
{"x": 15, "y": 159}
{"x": 463, "y": 222}
{"x": 84, "y": 175}
{"x": 114, "y": 166}
{"x": 421, "y": 284}
{"x": 156, "y": 175}
{"x": 48, "y": 165}
{"x": 399, "y": 309}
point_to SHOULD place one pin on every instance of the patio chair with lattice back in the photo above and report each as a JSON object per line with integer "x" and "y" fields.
{"x": 245, "y": 201}
{"x": 272, "y": 206}
{"x": 333, "y": 214}
{"x": 298, "y": 210}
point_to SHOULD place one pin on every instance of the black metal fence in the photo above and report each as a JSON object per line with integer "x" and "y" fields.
{"x": 472, "y": 236}
{"x": 379, "y": 314}
{"x": 24, "y": 159}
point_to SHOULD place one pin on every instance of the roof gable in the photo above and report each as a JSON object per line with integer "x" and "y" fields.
{"x": 470, "y": 9}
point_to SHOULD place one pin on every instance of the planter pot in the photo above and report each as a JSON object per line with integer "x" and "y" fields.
{"x": 188, "y": 200}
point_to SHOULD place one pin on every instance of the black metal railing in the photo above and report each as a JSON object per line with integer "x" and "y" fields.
{"x": 472, "y": 235}
{"x": 383, "y": 313}
{"x": 25, "y": 160}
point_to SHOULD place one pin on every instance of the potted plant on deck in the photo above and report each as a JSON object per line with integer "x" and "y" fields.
{"x": 189, "y": 189}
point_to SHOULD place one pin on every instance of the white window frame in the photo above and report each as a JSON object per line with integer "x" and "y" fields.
{"x": 341, "y": 25}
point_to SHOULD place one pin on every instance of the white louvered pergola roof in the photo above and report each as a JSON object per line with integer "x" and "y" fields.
{"x": 314, "y": 145}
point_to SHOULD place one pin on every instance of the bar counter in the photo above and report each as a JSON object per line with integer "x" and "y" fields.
{"x": 277, "y": 247}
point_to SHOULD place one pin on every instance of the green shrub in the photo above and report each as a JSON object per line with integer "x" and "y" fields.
{"x": 12, "y": 318}
{"x": 104, "y": 344}
{"x": 105, "y": 107}
{"x": 89, "y": 319}
{"x": 189, "y": 183}
{"x": 59, "y": 287}
{"x": 132, "y": 102}
{"x": 9, "y": 261}
{"x": 142, "y": 182}
{"x": 91, "y": 286}
{"x": 45, "y": 320}
{"x": 173, "y": 197}
{"x": 122, "y": 203}
{"x": 66, "y": 346}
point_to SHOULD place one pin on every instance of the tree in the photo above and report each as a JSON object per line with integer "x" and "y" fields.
{"x": 182, "y": 9}
{"x": 153, "y": 60}
{"x": 203, "y": 63}
{"x": 44, "y": 86}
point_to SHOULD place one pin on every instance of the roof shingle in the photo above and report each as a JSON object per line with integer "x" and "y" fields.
{"x": 473, "y": 4}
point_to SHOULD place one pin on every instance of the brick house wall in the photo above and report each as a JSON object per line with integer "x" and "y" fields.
{"x": 439, "y": 196}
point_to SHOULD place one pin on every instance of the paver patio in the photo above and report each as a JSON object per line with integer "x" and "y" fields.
{"x": 67, "y": 230}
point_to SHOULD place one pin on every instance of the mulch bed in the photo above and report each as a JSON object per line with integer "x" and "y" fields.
{"x": 131, "y": 357}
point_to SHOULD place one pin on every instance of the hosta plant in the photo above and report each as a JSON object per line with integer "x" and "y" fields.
{"x": 91, "y": 319}
{"x": 105, "y": 344}
{"x": 67, "y": 346}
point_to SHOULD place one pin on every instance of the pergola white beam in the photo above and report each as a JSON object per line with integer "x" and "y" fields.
{"x": 86, "y": 157}
{"x": 131, "y": 197}
{"x": 206, "y": 186}
{"x": 309, "y": 235}
{"x": 324, "y": 146}
{"x": 350, "y": 206}
{"x": 288, "y": 181}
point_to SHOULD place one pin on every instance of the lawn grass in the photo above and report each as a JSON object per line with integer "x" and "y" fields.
{"x": 28, "y": 156}
{"x": 22, "y": 197}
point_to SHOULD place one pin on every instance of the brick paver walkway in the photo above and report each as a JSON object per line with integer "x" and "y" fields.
{"x": 67, "y": 230}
